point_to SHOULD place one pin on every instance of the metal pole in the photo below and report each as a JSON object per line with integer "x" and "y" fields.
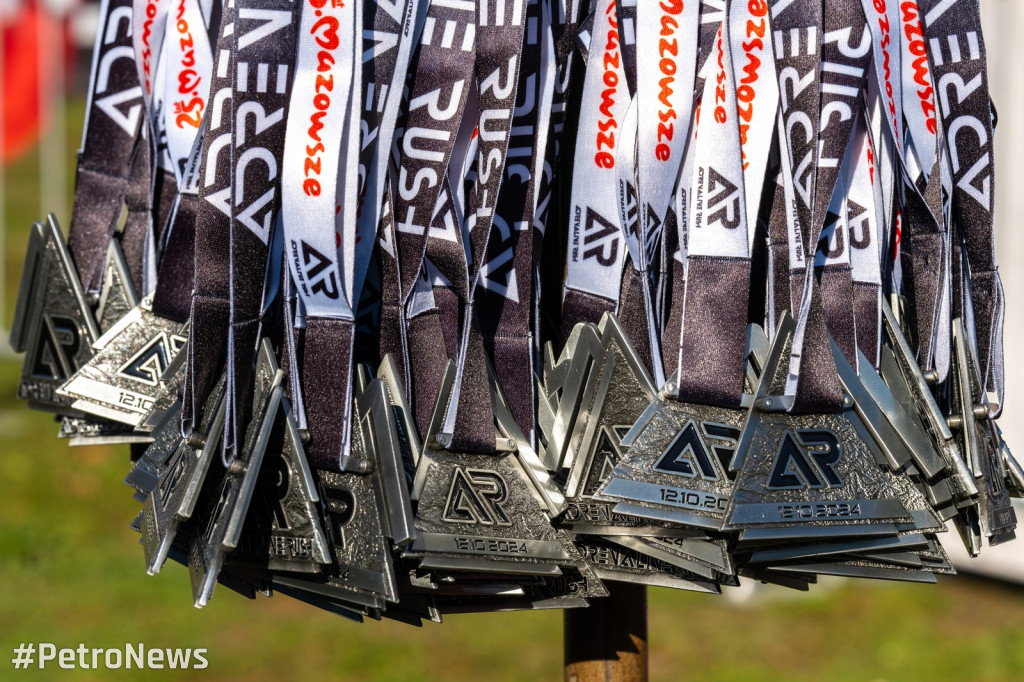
{"x": 608, "y": 641}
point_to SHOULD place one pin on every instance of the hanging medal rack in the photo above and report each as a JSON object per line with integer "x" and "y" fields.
{"x": 442, "y": 306}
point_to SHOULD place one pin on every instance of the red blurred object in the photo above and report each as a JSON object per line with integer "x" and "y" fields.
{"x": 29, "y": 72}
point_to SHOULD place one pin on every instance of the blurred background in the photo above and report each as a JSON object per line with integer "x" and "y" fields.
{"x": 71, "y": 570}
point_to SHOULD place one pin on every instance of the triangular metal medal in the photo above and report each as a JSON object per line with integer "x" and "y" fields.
{"x": 601, "y": 385}
{"x": 705, "y": 556}
{"x": 53, "y": 324}
{"x": 814, "y": 475}
{"x": 95, "y": 431}
{"x": 242, "y": 582}
{"x": 590, "y": 398}
{"x": 404, "y": 421}
{"x": 544, "y": 483}
{"x": 574, "y": 589}
{"x": 118, "y": 295}
{"x": 910, "y": 388}
{"x": 337, "y": 607}
{"x": 117, "y": 298}
{"x": 174, "y": 497}
{"x": 148, "y": 470}
{"x": 774, "y": 555}
{"x": 367, "y": 504}
{"x": 413, "y": 607}
{"x": 897, "y": 425}
{"x": 616, "y": 392}
{"x": 614, "y": 561}
{"x": 224, "y": 523}
{"x": 898, "y": 433}
{"x": 362, "y": 565}
{"x": 283, "y": 529}
{"x": 861, "y": 568}
{"x": 480, "y": 512}
{"x": 677, "y": 467}
{"x": 377, "y": 410}
{"x": 980, "y": 440}
{"x": 125, "y": 377}
{"x": 571, "y": 587}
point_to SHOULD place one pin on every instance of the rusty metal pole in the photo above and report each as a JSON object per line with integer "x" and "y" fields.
{"x": 608, "y": 641}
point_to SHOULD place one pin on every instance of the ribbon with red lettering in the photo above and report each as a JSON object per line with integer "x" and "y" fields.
{"x": 319, "y": 252}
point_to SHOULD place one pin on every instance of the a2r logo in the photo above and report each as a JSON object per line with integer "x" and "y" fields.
{"x": 58, "y": 344}
{"x": 149, "y": 364}
{"x": 604, "y": 237}
{"x": 314, "y": 265}
{"x": 688, "y": 456}
{"x": 476, "y": 496}
{"x": 806, "y": 459}
{"x": 720, "y": 191}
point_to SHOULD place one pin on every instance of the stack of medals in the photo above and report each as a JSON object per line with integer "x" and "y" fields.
{"x": 447, "y": 305}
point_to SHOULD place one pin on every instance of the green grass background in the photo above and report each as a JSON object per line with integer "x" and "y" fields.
{"x": 71, "y": 571}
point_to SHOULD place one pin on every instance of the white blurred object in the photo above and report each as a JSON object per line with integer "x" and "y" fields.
{"x": 82, "y": 25}
{"x": 60, "y": 8}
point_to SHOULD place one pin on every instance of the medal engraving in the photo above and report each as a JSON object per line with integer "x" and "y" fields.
{"x": 679, "y": 463}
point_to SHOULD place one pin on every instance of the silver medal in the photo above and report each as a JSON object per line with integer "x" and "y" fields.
{"x": 53, "y": 324}
{"x": 602, "y": 386}
{"x": 677, "y": 467}
{"x": 146, "y": 472}
{"x": 814, "y": 476}
{"x": 282, "y": 531}
{"x": 590, "y": 398}
{"x": 980, "y": 441}
{"x": 910, "y": 387}
{"x": 94, "y": 431}
{"x": 225, "y": 521}
{"x": 480, "y": 512}
{"x": 122, "y": 381}
{"x": 176, "y": 494}
{"x": 118, "y": 295}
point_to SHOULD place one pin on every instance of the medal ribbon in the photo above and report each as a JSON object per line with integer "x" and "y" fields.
{"x": 595, "y": 250}
{"x": 956, "y": 49}
{"x": 114, "y": 113}
{"x": 319, "y": 254}
{"x": 714, "y": 323}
